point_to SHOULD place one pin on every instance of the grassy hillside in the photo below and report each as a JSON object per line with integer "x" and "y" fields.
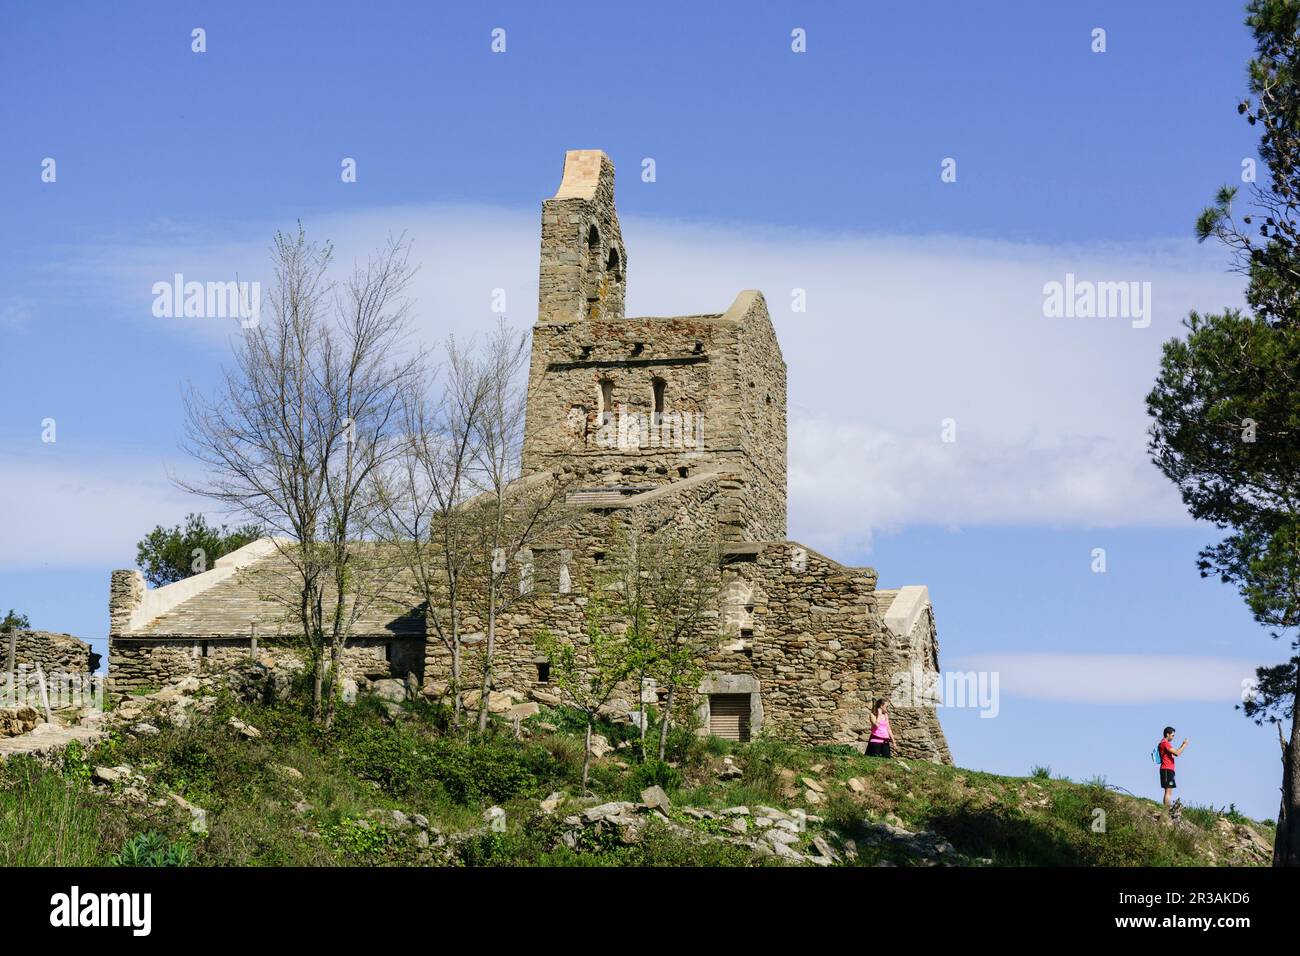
{"x": 212, "y": 781}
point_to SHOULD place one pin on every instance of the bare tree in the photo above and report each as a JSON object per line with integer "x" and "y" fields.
{"x": 423, "y": 498}
{"x": 303, "y": 422}
{"x": 510, "y": 511}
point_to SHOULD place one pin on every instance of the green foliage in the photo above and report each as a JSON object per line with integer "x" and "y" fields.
{"x": 1040, "y": 772}
{"x": 47, "y": 819}
{"x": 352, "y": 774}
{"x": 170, "y": 554}
{"x": 653, "y": 773}
{"x": 190, "y": 769}
{"x": 75, "y": 763}
{"x": 13, "y": 621}
{"x": 403, "y": 762}
{"x": 364, "y": 841}
{"x": 1225, "y": 408}
{"x": 152, "y": 849}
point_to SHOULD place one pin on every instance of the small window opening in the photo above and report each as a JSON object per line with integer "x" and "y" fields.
{"x": 599, "y": 555}
{"x": 388, "y": 653}
{"x": 543, "y": 673}
{"x": 746, "y": 632}
{"x": 586, "y": 351}
{"x": 638, "y": 348}
{"x": 659, "y": 386}
{"x": 593, "y": 238}
{"x": 699, "y": 348}
{"x": 683, "y": 471}
{"x": 612, "y": 263}
{"x": 606, "y": 400}
{"x": 205, "y": 649}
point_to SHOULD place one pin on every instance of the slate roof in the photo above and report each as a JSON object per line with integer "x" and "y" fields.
{"x": 263, "y": 592}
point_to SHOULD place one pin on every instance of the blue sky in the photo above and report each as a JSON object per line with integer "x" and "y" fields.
{"x": 774, "y": 170}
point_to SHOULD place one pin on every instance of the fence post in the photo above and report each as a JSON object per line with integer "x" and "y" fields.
{"x": 45, "y": 697}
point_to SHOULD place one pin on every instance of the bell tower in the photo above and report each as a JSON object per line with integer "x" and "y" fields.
{"x": 584, "y": 262}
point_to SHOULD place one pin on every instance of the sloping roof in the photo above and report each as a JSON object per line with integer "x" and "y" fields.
{"x": 263, "y": 592}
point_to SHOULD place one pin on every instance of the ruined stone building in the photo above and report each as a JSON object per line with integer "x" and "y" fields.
{"x": 677, "y": 421}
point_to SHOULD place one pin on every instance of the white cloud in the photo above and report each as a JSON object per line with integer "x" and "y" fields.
{"x": 57, "y": 510}
{"x": 17, "y": 313}
{"x": 1113, "y": 678}
{"x": 901, "y": 333}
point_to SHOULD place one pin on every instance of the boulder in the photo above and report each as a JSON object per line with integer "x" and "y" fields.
{"x": 247, "y": 731}
{"x": 111, "y": 774}
{"x": 390, "y": 689}
{"x": 605, "y": 810}
{"x": 599, "y": 746}
{"x": 552, "y": 803}
{"x": 198, "y": 816}
{"x": 523, "y": 711}
{"x": 655, "y": 798}
{"x": 545, "y": 698}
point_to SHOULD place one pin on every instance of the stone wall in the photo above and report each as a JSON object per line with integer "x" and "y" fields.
{"x": 799, "y": 632}
{"x": 53, "y": 652}
{"x": 151, "y": 662}
{"x": 588, "y": 540}
{"x": 818, "y": 651}
{"x": 583, "y": 260}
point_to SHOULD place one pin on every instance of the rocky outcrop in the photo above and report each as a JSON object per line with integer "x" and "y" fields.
{"x": 18, "y": 720}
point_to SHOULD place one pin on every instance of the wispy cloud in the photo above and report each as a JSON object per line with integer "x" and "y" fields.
{"x": 17, "y": 312}
{"x": 902, "y": 337}
{"x": 61, "y": 510}
{"x": 1114, "y": 678}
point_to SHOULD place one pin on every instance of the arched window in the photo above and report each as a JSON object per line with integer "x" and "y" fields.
{"x": 659, "y": 386}
{"x": 606, "y": 401}
{"x": 613, "y": 265}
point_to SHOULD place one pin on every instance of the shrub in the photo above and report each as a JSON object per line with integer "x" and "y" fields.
{"x": 403, "y": 762}
{"x": 365, "y": 841}
{"x": 152, "y": 849}
{"x": 653, "y": 773}
{"x": 1039, "y": 772}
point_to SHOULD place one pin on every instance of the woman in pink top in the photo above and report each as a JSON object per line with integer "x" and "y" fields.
{"x": 878, "y": 745}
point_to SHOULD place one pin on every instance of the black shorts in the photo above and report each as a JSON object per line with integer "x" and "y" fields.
{"x": 878, "y": 748}
{"x": 1167, "y": 780}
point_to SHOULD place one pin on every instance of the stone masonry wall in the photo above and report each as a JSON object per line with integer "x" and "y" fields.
{"x": 819, "y": 652}
{"x": 588, "y": 540}
{"x": 150, "y": 662}
{"x": 54, "y": 652}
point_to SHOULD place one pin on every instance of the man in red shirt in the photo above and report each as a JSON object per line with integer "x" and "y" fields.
{"x": 1167, "y": 755}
